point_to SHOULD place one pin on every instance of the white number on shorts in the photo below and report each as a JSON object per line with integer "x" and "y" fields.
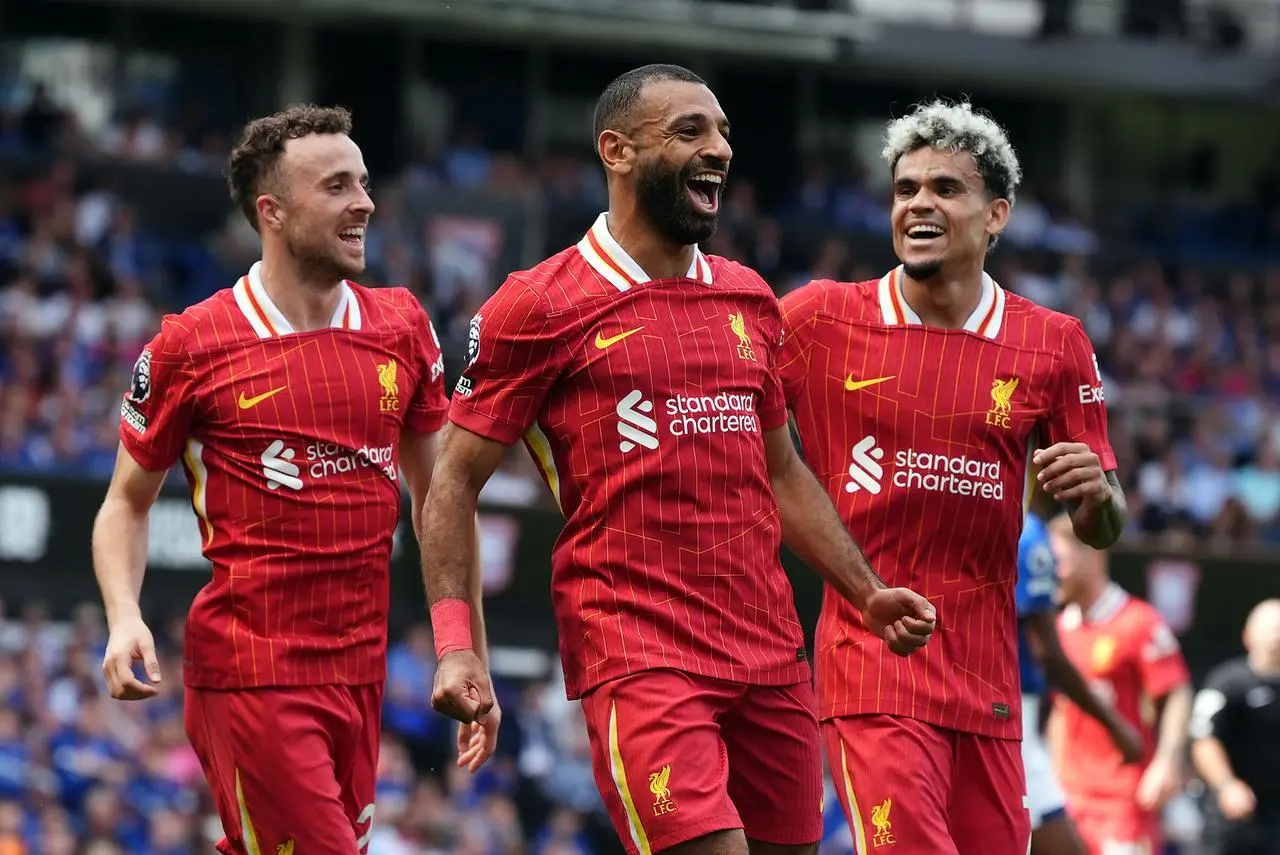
{"x": 366, "y": 815}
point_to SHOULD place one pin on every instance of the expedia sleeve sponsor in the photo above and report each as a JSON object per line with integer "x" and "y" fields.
{"x": 428, "y": 402}
{"x": 1078, "y": 413}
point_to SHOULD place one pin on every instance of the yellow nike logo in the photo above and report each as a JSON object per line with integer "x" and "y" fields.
{"x": 602, "y": 342}
{"x": 851, "y": 385}
{"x": 248, "y": 403}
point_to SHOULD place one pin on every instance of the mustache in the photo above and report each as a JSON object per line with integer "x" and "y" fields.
{"x": 706, "y": 164}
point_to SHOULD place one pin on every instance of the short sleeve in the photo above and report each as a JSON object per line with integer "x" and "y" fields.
{"x": 1160, "y": 661}
{"x": 1079, "y": 414}
{"x": 157, "y": 412}
{"x": 429, "y": 405}
{"x": 1213, "y": 712}
{"x": 515, "y": 352}
{"x": 799, "y": 309}
{"x": 773, "y": 404}
{"x": 1036, "y": 576}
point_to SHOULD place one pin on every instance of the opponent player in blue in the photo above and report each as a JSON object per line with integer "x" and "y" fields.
{"x": 1040, "y": 654}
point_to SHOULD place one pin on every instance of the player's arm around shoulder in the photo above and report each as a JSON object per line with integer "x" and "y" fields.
{"x": 1079, "y": 468}
{"x": 812, "y": 528}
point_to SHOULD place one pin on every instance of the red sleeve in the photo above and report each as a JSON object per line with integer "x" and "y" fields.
{"x": 515, "y": 352}
{"x": 1160, "y": 661}
{"x": 1078, "y": 413}
{"x": 429, "y": 405}
{"x": 157, "y": 411}
{"x": 799, "y": 309}
{"x": 773, "y": 406}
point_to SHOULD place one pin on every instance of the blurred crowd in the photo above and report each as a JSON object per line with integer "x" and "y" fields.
{"x": 1190, "y": 356}
{"x": 81, "y": 774}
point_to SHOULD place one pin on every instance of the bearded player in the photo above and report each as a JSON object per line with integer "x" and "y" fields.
{"x": 921, "y": 400}
{"x": 640, "y": 375}
{"x": 294, "y": 398}
{"x": 1131, "y": 657}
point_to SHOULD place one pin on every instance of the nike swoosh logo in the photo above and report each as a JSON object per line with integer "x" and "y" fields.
{"x": 602, "y": 342}
{"x": 249, "y": 403}
{"x": 851, "y": 385}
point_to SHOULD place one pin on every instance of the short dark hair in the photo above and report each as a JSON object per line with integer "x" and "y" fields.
{"x": 254, "y": 159}
{"x": 618, "y": 101}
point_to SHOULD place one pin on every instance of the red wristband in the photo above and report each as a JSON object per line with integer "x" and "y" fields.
{"x": 451, "y": 625}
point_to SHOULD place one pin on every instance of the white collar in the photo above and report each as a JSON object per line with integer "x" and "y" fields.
{"x": 1108, "y": 605}
{"x": 986, "y": 319}
{"x": 268, "y": 321}
{"x": 611, "y": 261}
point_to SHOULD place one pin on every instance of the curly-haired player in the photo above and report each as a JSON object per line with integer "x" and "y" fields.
{"x": 921, "y": 400}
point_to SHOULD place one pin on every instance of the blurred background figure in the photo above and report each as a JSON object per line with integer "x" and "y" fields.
{"x": 1235, "y": 724}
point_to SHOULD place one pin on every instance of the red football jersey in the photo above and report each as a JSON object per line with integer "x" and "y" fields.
{"x": 1130, "y": 657}
{"x": 642, "y": 402}
{"x": 923, "y": 438}
{"x": 291, "y": 447}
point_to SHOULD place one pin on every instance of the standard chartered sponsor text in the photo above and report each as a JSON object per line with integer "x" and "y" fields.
{"x": 327, "y": 458}
{"x": 960, "y": 475}
{"x": 723, "y": 413}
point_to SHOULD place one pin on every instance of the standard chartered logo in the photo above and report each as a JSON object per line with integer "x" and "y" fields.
{"x": 959, "y": 475}
{"x": 323, "y": 459}
{"x": 278, "y": 466}
{"x": 687, "y": 415}
{"x": 636, "y": 426}
{"x": 865, "y": 471}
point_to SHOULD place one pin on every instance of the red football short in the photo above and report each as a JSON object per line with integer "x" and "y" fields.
{"x": 924, "y": 790}
{"x": 291, "y": 769}
{"x": 1116, "y": 828}
{"x": 678, "y": 756}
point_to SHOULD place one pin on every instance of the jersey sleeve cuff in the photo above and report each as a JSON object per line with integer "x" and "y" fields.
{"x": 428, "y": 421}
{"x": 465, "y": 416}
{"x": 146, "y": 457}
{"x": 773, "y": 419}
{"x": 1165, "y": 683}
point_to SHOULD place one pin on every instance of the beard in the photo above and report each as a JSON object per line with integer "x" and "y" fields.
{"x": 316, "y": 259}
{"x": 663, "y": 197}
{"x": 923, "y": 270}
